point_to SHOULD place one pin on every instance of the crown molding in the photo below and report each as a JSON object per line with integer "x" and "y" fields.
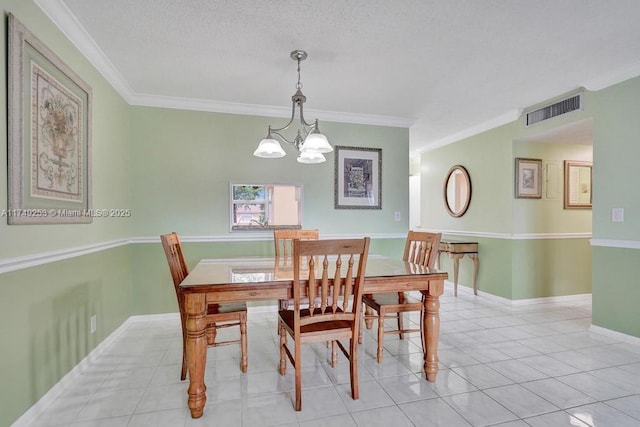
{"x": 495, "y": 122}
{"x": 615, "y": 77}
{"x": 175, "y": 102}
{"x": 60, "y": 14}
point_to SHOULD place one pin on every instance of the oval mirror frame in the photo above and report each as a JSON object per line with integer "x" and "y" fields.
{"x": 458, "y": 184}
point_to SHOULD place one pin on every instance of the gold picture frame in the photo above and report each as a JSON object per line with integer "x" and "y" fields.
{"x": 577, "y": 184}
{"x": 49, "y": 135}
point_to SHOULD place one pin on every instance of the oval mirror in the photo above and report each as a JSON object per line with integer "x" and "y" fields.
{"x": 457, "y": 191}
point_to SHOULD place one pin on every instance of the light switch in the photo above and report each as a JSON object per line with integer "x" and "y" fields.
{"x": 396, "y": 216}
{"x": 617, "y": 215}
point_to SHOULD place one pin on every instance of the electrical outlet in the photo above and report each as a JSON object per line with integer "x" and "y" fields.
{"x": 94, "y": 325}
{"x": 396, "y": 216}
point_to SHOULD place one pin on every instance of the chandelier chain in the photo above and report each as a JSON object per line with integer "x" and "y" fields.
{"x": 299, "y": 85}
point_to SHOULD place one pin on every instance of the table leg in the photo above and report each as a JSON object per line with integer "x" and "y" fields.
{"x": 196, "y": 325}
{"x": 476, "y": 267}
{"x": 431, "y": 328}
{"x": 456, "y": 267}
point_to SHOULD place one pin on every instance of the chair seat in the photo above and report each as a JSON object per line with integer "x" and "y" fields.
{"x": 390, "y": 301}
{"x": 329, "y": 326}
{"x": 226, "y": 308}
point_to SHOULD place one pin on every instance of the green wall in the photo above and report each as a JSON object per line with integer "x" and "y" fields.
{"x": 44, "y": 321}
{"x": 45, "y": 309}
{"x": 529, "y": 248}
{"x": 184, "y": 161}
{"x": 111, "y": 145}
{"x": 616, "y": 150}
{"x": 615, "y": 289}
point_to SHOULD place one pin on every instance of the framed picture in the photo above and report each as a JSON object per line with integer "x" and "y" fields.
{"x": 528, "y": 178}
{"x": 358, "y": 178}
{"x": 49, "y": 135}
{"x": 577, "y": 185}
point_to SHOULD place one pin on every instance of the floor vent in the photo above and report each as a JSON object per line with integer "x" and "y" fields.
{"x": 554, "y": 110}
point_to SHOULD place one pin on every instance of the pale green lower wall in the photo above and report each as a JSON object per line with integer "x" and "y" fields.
{"x": 551, "y": 267}
{"x": 45, "y": 310}
{"x": 44, "y": 321}
{"x": 615, "y": 289}
{"x": 523, "y": 269}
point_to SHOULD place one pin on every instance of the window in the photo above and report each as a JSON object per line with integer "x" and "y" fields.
{"x": 265, "y": 206}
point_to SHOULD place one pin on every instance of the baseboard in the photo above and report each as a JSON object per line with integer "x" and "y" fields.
{"x": 517, "y": 302}
{"x": 614, "y": 334}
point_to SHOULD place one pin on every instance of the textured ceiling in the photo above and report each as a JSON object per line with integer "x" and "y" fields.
{"x": 447, "y": 68}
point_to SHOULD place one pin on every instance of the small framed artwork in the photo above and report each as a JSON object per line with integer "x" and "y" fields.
{"x": 577, "y": 185}
{"x": 358, "y": 178}
{"x": 49, "y": 135}
{"x": 528, "y": 178}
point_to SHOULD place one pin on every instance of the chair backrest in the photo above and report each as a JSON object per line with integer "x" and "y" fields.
{"x": 333, "y": 278}
{"x": 421, "y": 248}
{"x": 283, "y": 240}
{"x": 175, "y": 258}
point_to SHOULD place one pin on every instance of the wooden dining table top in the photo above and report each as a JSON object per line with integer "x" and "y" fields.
{"x": 211, "y": 274}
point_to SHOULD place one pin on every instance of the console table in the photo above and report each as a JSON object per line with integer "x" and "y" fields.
{"x": 457, "y": 250}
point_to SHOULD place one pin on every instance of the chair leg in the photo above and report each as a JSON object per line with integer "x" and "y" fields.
{"x": 283, "y": 343}
{"x": 183, "y": 373}
{"x": 243, "y": 342}
{"x": 298, "y": 376}
{"x": 401, "y": 298}
{"x": 353, "y": 367}
{"x": 334, "y": 354}
{"x": 381, "y": 315}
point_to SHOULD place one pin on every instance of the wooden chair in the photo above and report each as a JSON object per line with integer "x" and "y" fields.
{"x": 283, "y": 242}
{"x": 335, "y": 278}
{"x": 420, "y": 248}
{"x": 218, "y": 315}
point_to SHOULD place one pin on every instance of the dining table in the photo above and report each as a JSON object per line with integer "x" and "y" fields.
{"x": 263, "y": 279}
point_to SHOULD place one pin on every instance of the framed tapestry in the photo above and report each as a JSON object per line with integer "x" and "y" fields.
{"x": 358, "y": 178}
{"x": 49, "y": 135}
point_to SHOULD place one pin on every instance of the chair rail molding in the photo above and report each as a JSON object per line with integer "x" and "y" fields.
{"x": 27, "y": 261}
{"x": 32, "y": 260}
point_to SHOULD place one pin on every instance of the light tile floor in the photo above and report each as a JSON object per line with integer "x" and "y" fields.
{"x": 527, "y": 365}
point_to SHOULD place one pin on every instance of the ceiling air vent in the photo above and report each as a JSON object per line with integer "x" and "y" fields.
{"x": 554, "y": 110}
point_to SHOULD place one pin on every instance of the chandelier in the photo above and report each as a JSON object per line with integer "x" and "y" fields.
{"x": 310, "y": 143}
